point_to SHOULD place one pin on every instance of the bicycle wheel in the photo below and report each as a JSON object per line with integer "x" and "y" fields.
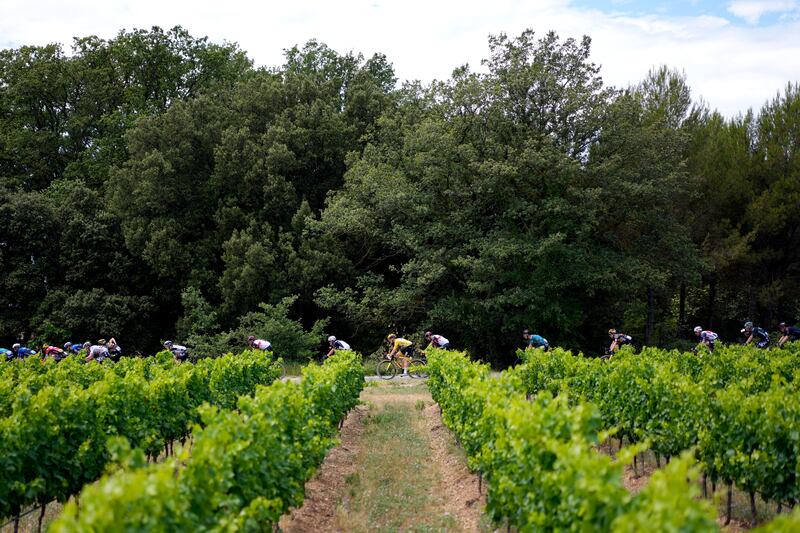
{"x": 417, "y": 369}
{"x": 386, "y": 369}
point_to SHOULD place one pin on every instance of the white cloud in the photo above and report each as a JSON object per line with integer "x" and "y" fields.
{"x": 733, "y": 67}
{"x": 752, "y": 10}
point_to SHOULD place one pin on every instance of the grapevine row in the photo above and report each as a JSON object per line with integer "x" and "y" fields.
{"x": 57, "y": 422}
{"x": 737, "y": 408}
{"x": 247, "y": 467}
{"x": 539, "y": 462}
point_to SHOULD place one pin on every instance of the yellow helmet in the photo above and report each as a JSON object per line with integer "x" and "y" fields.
{"x": 391, "y": 337}
{"x": 612, "y": 331}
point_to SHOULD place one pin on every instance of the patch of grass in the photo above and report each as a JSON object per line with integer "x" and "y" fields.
{"x": 293, "y": 368}
{"x": 394, "y": 487}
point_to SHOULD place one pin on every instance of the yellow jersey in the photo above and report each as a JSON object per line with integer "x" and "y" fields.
{"x": 400, "y": 343}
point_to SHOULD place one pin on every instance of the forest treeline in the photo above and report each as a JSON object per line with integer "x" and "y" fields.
{"x": 157, "y": 185}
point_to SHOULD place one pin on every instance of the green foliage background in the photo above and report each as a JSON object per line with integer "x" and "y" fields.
{"x": 156, "y": 185}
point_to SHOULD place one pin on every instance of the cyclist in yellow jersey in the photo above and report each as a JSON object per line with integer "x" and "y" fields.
{"x": 400, "y": 346}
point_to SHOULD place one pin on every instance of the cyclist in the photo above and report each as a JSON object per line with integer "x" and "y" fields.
{"x": 21, "y": 352}
{"x": 335, "y": 345}
{"x": 97, "y": 352}
{"x": 788, "y": 333}
{"x": 180, "y": 353}
{"x": 537, "y": 342}
{"x": 436, "y": 341}
{"x": 759, "y": 335}
{"x": 617, "y": 340}
{"x": 259, "y": 344}
{"x": 114, "y": 350}
{"x": 53, "y": 351}
{"x": 72, "y": 348}
{"x": 402, "y": 347}
{"x": 6, "y": 354}
{"x": 707, "y": 338}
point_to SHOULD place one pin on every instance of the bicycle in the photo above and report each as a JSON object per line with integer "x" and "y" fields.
{"x": 387, "y": 368}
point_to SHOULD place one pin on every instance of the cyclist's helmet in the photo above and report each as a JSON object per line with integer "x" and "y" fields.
{"x": 67, "y": 345}
{"x": 251, "y": 338}
{"x": 748, "y": 325}
{"x": 698, "y": 329}
{"x": 612, "y": 331}
{"x": 331, "y": 339}
{"x": 428, "y": 334}
{"x": 167, "y": 344}
{"x": 782, "y": 325}
{"x": 390, "y": 337}
{"x": 87, "y": 344}
{"x": 16, "y": 346}
{"x": 101, "y": 342}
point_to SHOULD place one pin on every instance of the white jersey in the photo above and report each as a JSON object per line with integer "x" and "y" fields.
{"x": 341, "y": 345}
{"x": 439, "y": 341}
{"x": 98, "y": 352}
{"x": 261, "y": 344}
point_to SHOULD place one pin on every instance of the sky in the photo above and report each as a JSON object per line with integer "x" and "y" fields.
{"x": 737, "y": 54}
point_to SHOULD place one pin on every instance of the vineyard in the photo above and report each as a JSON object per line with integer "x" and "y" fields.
{"x": 533, "y": 434}
{"x": 248, "y": 448}
{"x": 145, "y": 444}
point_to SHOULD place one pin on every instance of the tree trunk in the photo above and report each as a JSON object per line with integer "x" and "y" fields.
{"x": 712, "y": 300}
{"x": 682, "y": 308}
{"x": 41, "y": 518}
{"x": 648, "y": 329}
{"x": 728, "y": 509}
{"x": 705, "y": 485}
{"x": 753, "y": 507}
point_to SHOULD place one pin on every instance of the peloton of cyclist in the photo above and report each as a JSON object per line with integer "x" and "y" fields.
{"x": 759, "y": 335}
{"x": 617, "y": 340}
{"x": 336, "y": 345}
{"x": 707, "y": 338}
{"x": 436, "y": 341}
{"x": 259, "y": 344}
{"x": 400, "y": 346}
{"x": 788, "y": 333}
{"x": 535, "y": 341}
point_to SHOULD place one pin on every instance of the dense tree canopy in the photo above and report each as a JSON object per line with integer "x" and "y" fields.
{"x": 156, "y": 183}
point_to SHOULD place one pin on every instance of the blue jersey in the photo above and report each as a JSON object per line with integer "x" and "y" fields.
{"x": 760, "y": 333}
{"x": 24, "y": 351}
{"x": 537, "y": 341}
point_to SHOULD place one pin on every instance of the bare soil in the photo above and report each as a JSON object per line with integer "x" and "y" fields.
{"x": 458, "y": 485}
{"x": 325, "y": 490}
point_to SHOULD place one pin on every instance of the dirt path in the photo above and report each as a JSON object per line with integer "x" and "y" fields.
{"x": 397, "y": 469}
